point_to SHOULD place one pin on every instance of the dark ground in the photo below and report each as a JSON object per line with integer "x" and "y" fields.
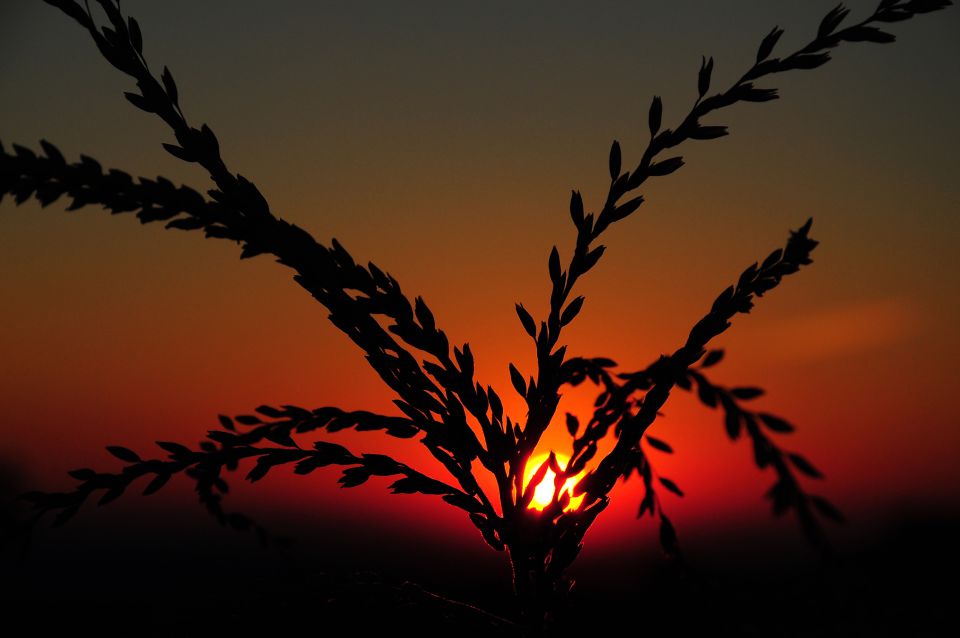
{"x": 211, "y": 582}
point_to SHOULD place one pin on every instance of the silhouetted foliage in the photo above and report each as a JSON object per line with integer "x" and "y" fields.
{"x": 458, "y": 419}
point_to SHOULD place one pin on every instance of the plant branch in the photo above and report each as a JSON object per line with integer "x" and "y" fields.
{"x": 753, "y": 282}
{"x": 542, "y": 394}
{"x": 786, "y": 493}
{"x": 225, "y": 448}
{"x": 327, "y": 273}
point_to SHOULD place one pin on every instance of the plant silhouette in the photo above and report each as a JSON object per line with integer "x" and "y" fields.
{"x": 441, "y": 404}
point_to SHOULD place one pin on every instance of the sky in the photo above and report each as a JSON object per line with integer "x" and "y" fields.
{"x": 441, "y": 141}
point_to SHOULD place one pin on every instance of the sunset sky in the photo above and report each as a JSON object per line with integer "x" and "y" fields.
{"x": 441, "y": 141}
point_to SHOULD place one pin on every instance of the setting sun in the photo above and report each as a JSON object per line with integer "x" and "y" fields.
{"x": 543, "y": 494}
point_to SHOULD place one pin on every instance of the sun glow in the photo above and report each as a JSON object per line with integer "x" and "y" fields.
{"x": 543, "y": 493}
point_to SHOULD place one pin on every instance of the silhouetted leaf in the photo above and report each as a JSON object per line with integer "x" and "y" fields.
{"x": 169, "y": 85}
{"x": 418, "y": 485}
{"x": 112, "y": 9}
{"x": 626, "y": 209}
{"x": 832, "y": 20}
{"x": 53, "y": 152}
{"x": 270, "y": 411}
{"x": 668, "y": 537}
{"x": 73, "y": 10}
{"x": 731, "y": 421}
{"x": 576, "y": 208}
{"x": 486, "y": 529}
{"x": 179, "y": 153}
{"x": 772, "y": 259}
{"x": 893, "y": 15}
{"x": 573, "y": 424}
{"x": 827, "y": 509}
{"x": 82, "y": 474}
{"x": 926, "y": 6}
{"x": 111, "y": 495}
{"x": 226, "y": 439}
{"x": 806, "y": 61}
{"x": 770, "y": 41}
{"x": 804, "y": 466}
{"x": 26, "y": 154}
{"x": 713, "y": 358}
{"x": 529, "y": 325}
{"x": 464, "y": 502}
{"x": 615, "y": 160}
{"x": 174, "y": 448}
{"x": 593, "y": 257}
{"x": 703, "y": 78}
{"x": 139, "y": 101}
{"x": 517, "y": 379}
{"x": 755, "y": 94}
{"x": 333, "y": 452}
{"x": 123, "y": 453}
{"x": 655, "y": 115}
{"x": 707, "y": 395}
{"x": 761, "y": 452}
{"x": 496, "y": 405}
{"x": 571, "y": 311}
{"x": 136, "y": 38}
{"x": 554, "y": 265}
{"x": 775, "y": 423}
{"x": 158, "y": 481}
{"x": 209, "y": 140}
{"x": 354, "y": 476}
{"x": 745, "y": 394}
{"x": 424, "y": 315}
{"x": 647, "y": 505}
{"x": 658, "y": 444}
{"x": 867, "y": 34}
{"x": 665, "y": 167}
{"x": 186, "y": 223}
{"x": 708, "y": 132}
{"x": 259, "y": 470}
{"x": 280, "y": 436}
{"x": 670, "y": 485}
{"x": 537, "y": 478}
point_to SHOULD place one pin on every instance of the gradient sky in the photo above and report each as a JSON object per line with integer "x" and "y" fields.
{"x": 441, "y": 141}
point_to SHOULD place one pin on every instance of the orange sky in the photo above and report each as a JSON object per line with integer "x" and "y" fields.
{"x": 448, "y": 160}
